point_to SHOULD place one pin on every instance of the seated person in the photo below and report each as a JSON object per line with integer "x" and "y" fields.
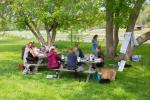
{"x": 31, "y": 52}
{"x": 72, "y": 60}
{"x": 43, "y": 50}
{"x": 78, "y": 51}
{"x": 79, "y": 54}
{"x": 100, "y": 55}
{"x": 30, "y": 57}
{"x": 53, "y": 59}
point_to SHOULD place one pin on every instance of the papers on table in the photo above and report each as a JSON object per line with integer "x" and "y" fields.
{"x": 95, "y": 60}
{"x": 98, "y": 60}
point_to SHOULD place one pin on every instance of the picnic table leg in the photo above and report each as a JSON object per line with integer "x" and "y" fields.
{"x": 35, "y": 69}
{"x": 26, "y": 70}
{"x": 88, "y": 77}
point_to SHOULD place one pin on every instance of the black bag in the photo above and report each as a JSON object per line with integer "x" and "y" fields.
{"x": 103, "y": 81}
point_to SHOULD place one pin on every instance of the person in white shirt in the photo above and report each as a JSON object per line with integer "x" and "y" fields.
{"x": 30, "y": 56}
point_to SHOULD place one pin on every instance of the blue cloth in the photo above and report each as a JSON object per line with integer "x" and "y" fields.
{"x": 94, "y": 52}
{"x": 71, "y": 61}
{"x": 94, "y": 44}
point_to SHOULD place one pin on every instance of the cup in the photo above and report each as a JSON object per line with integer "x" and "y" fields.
{"x": 79, "y": 59}
{"x": 62, "y": 57}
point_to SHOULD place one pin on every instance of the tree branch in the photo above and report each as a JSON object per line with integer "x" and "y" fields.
{"x": 49, "y": 38}
{"x": 143, "y": 38}
{"x": 34, "y": 33}
{"x": 38, "y": 32}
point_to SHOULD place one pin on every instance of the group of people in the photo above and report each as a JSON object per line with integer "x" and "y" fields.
{"x": 30, "y": 55}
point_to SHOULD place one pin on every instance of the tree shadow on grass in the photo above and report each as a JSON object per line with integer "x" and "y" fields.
{"x": 125, "y": 88}
{"x": 8, "y": 66}
{"x": 11, "y": 48}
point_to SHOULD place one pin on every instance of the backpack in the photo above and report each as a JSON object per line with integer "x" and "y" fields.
{"x": 108, "y": 73}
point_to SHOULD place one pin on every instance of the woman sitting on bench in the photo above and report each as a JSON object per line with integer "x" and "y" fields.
{"x": 32, "y": 54}
{"x": 30, "y": 57}
{"x": 53, "y": 59}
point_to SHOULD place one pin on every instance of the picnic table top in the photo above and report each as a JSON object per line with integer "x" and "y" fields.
{"x": 94, "y": 60}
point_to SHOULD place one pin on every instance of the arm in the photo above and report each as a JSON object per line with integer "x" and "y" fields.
{"x": 58, "y": 57}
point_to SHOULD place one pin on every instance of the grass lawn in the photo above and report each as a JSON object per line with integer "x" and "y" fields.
{"x": 131, "y": 84}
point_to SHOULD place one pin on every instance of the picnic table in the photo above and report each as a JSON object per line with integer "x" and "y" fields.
{"x": 37, "y": 65}
{"x": 88, "y": 62}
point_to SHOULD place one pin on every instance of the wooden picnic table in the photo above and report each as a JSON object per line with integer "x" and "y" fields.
{"x": 89, "y": 63}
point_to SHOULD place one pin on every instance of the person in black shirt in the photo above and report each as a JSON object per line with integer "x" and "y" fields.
{"x": 78, "y": 51}
{"x": 100, "y": 55}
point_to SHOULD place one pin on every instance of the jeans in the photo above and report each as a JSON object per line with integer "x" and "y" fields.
{"x": 94, "y": 52}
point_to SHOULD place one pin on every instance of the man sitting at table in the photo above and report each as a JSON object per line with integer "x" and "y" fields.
{"x": 71, "y": 60}
{"x": 78, "y": 51}
{"x": 100, "y": 56}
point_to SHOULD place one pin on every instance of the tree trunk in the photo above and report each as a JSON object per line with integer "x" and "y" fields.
{"x": 134, "y": 15}
{"x": 49, "y": 43}
{"x": 35, "y": 34}
{"x": 143, "y": 38}
{"x": 39, "y": 34}
{"x": 49, "y": 38}
{"x": 109, "y": 26}
{"x": 116, "y": 39}
{"x": 53, "y": 34}
{"x": 131, "y": 24}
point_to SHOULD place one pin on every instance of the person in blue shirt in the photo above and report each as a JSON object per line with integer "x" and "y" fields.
{"x": 72, "y": 60}
{"x": 94, "y": 44}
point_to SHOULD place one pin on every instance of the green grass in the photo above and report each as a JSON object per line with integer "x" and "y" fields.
{"x": 131, "y": 84}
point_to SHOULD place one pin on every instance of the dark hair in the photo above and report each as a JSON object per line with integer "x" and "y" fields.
{"x": 95, "y": 36}
{"x": 71, "y": 49}
{"x": 52, "y": 49}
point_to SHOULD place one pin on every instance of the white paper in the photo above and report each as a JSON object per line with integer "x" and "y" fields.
{"x": 125, "y": 42}
{"x": 121, "y": 65}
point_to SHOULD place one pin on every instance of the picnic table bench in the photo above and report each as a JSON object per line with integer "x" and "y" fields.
{"x": 89, "y": 71}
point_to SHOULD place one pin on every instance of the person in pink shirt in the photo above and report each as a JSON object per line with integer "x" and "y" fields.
{"x": 53, "y": 59}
